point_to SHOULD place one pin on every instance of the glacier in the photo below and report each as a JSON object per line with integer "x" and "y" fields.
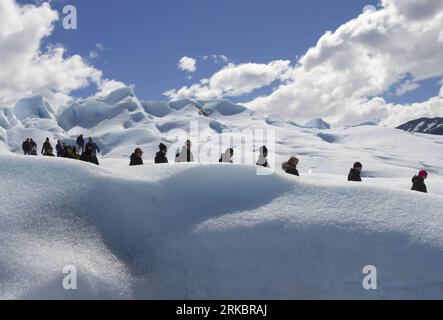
{"x": 209, "y": 230}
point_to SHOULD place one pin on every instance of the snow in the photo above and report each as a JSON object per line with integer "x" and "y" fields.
{"x": 32, "y": 107}
{"x": 369, "y": 123}
{"x": 214, "y": 231}
{"x": 90, "y": 113}
{"x": 419, "y": 126}
{"x": 318, "y": 124}
{"x": 211, "y": 232}
{"x": 157, "y": 109}
{"x": 224, "y": 107}
{"x": 180, "y": 104}
{"x": 118, "y": 95}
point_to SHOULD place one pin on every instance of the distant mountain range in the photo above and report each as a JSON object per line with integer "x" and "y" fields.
{"x": 424, "y": 125}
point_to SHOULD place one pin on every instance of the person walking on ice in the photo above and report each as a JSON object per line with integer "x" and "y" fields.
{"x": 59, "y": 148}
{"x": 418, "y": 182}
{"x": 92, "y": 145}
{"x": 33, "y": 147}
{"x": 263, "y": 157}
{"x": 355, "y": 173}
{"x": 80, "y": 144}
{"x": 186, "y": 154}
{"x": 26, "y": 146}
{"x": 290, "y": 167}
{"x": 88, "y": 155}
{"x": 160, "y": 157}
{"x": 136, "y": 158}
{"x": 227, "y": 156}
{"x": 47, "y": 148}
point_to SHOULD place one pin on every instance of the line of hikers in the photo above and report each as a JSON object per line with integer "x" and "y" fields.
{"x": 81, "y": 151}
{"x": 90, "y": 149}
{"x": 186, "y": 155}
{"x": 290, "y": 166}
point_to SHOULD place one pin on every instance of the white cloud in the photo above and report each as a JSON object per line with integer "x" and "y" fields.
{"x": 234, "y": 80}
{"x": 344, "y": 77}
{"x": 27, "y": 68}
{"x": 405, "y": 87}
{"x": 414, "y": 9}
{"x": 187, "y": 64}
{"x": 95, "y": 53}
{"x": 221, "y": 58}
{"x": 362, "y": 59}
{"x": 106, "y": 86}
{"x": 369, "y": 9}
{"x": 217, "y": 58}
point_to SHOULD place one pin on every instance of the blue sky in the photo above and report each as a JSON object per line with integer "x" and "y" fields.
{"x": 381, "y": 59}
{"x": 144, "y": 40}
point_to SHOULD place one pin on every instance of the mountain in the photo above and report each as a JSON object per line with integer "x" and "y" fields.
{"x": 424, "y": 125}
{"x": 318, "y": 124}
{"x": 374, "y": 122}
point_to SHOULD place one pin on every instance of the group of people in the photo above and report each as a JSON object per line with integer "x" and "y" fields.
{"x": 418, "y": 181}
{"x": 290, "y": 166}
{"x": 88, "y": 152}
{"x": 29, "y": 147}
{"x": 81, "y": 151}
{"x": 184, "y": 155}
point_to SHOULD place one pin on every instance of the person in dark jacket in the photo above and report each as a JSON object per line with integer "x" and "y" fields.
{"x": 26, "y": 146}
{"x": 59, "y": 148}
{"x": 33, "y": 145}
{"x": 290, "y": 167}
{"x": 88, "y": 155}
{"x": 73, "y": 153}
{"x": 64, "y": 153}
{"x": 418, "y": 182}
{"x": 160, "y": 156}
{"x": 80, "y": 144}
{"x": 47, "y": 147}
{"x": 69, "y": 152}
{"x": 355, "y": 173}
{"x": 48, "y": 152}
{"x": 92, "y": 145}
{"x": 263, "y": 157}
{"x": 136, "y": 158}
{"x": 227, "y": 156}
{"x": 33, "y": 151}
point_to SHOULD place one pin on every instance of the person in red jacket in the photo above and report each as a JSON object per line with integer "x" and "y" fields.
{"x": 418, "y": 182}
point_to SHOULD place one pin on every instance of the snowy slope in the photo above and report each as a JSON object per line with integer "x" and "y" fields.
{"x": 318, "y": 124}
{"x": 145, "y": 233}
